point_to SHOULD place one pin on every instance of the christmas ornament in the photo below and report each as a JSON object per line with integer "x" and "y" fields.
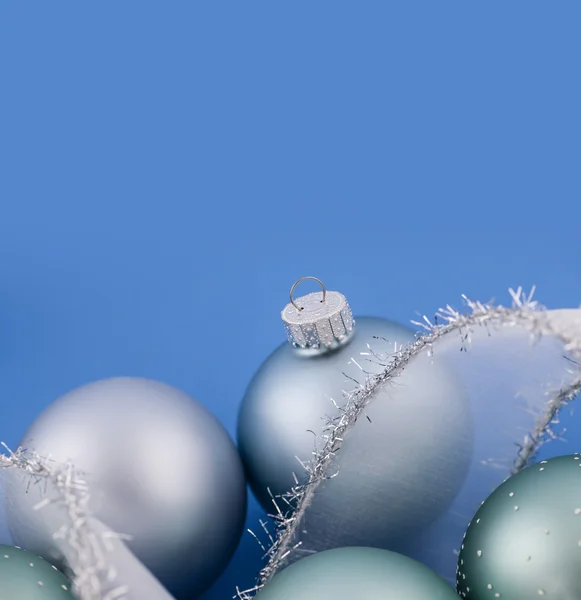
{"x": 160, "y": 468}
{"x": 361, "y": 573}
{"x": 399, "y": 467}
{"x": 525, "y": 540}
{"x": 25, "y": 576}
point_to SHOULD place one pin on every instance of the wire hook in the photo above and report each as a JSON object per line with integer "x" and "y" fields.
{"x": 295, "y": 285}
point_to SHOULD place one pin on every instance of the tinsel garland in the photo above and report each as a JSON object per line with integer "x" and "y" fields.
{"x": 83, "y": 547}
{"x": 524, "y": 312}
{"x": 86, "y": 548}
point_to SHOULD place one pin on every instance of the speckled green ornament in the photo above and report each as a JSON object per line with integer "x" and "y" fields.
{"x": 25, "y": 576}
{"x": 525, "y": 540}
{"x": 357, "y": 573}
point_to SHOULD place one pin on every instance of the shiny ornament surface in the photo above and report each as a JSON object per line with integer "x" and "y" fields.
{"x": 400, "y": 468}
{"x": 357, "y": 574}
{"x": 25, "y": 576}
{"x": 161, "y": 469}
{"x": 525, "y": 540}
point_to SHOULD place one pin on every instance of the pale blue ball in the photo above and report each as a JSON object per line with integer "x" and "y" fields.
{"x": 357, "y": 574}
{"x": 399, "y": 467}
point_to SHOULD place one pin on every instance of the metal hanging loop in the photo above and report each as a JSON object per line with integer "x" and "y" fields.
{"x": 303, "y": 279}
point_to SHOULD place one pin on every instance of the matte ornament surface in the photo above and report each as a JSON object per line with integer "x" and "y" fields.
{"x": 357, "y": 574}
{"x": 401, "y": 467}
{"x": 25, "y": 576}
{"x": 525, "y": 541}
{"x": 161, "y": 468}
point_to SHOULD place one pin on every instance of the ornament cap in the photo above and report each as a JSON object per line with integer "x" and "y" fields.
{"x": 317, "y": 320}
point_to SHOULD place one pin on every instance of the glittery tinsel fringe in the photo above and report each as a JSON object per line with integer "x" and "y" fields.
{"x": 85, "y": 550}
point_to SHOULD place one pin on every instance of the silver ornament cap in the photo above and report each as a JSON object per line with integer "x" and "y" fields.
{"x": 321, "y": 320}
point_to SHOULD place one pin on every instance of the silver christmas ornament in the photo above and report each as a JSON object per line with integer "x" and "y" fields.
{"x": 402, "y": 464}
{"x": 160, "y": 468}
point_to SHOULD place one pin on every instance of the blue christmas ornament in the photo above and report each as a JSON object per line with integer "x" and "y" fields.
{"x": 525, "y": 540}
{"x": 399, "y": 467}
{"x": 357, "y": 574}
{"x": 25, "y": 576}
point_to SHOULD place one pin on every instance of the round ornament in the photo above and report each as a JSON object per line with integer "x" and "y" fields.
{"x": 361, "y": 573}
{"x": 25, "y": 576}
{"x": 399, "y": 467}
{"x": 160, "y": 468}
{"x": 525, "y": 540}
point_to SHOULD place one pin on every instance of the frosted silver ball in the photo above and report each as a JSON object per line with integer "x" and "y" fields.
{"x": 161, "y": 469}
{"x": 399, "y": 467}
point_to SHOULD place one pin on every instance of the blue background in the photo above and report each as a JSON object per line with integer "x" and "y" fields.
{"x": 168, "y": 169}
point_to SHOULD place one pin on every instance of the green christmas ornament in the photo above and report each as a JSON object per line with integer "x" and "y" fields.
{"x": 357, "y": 573}
{"x": 525, "y": 540}
{"x": 25, "y": 576}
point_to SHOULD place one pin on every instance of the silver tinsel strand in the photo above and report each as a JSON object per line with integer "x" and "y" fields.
{"x": 85, "y": 550}
{"x": 524, "y": 312}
